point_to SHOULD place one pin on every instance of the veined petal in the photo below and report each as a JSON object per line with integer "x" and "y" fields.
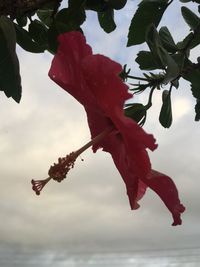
{"x": 129, "y": 170}
{"x": 94, "y": 81}
{"x": 167, "y": 191}
{"x": 66, "y": 67}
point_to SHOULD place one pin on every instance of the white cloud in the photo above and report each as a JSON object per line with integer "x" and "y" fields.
{"x": 90, "y": 208}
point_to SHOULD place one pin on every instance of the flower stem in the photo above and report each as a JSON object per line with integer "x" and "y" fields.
{"x": 95, "y": 140}
{"x": 149, "y": 104}
{"x": 58, "y": 171}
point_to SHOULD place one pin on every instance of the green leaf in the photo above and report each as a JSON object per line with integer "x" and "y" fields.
{"x": 137, "y": 112}
{"x": 197, "y": 110}
{"x": 71, "y": 17}
{"x": 25, "y": 41}
{"x": 189, "y": 42}
{"x": 96, "y": 5}
{"x": 186, "y": 44}
{"x": 154, "y": 43}
{"x": 194, "y": 77}
{"x": 160, "y": 55}
{"x": 165, "y": 117}
{"x": 45, "y": 13}
{"x": 179, "y": 58}
{"x": 77, "y": 4}
{"x": 10, "y": 80}
{"x": 148, "y": 12}
{"x": 117, "y": 4}
{"x": 195, "y": 41}
{"x": 106, "y": 20}
{"x": 55, "y": 29}
{"x": 38, "y": 32}
{"x": 167, "y": 40}
{"x": 53, "y": 33}
{"x": 146, "y": 61}
{"x": 172, "y": 69}
{"x": 68, "y": 19}
{"x": 182, "y": 44}
{"x": 190, "y": 18}
{"x": 22, "y": 21}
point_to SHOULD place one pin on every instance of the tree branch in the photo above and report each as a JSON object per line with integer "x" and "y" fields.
{"x": 16, "y": 8}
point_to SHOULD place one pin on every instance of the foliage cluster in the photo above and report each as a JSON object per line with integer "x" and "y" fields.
{"x": 163, "y": 65}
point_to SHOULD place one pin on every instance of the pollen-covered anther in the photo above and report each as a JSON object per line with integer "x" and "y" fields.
{"x": 59, "y": 170}
{"x": 37, "y": 185}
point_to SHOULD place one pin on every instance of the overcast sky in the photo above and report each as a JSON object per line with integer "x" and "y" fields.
{"x": 90, "y": 210}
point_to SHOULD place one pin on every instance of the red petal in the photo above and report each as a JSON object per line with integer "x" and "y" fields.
{"x": 167, "y": 191}
{"x": 66, "y": 66}
{"x": 129, "y": 171}
{"x": 102, "y": 76}
{"x": 94, "y": 81}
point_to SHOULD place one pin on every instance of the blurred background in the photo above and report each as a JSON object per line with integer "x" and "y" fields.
{"x": 86, "y": 220}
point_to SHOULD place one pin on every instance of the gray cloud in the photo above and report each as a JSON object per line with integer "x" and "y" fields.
{"x": 89, "y": 210}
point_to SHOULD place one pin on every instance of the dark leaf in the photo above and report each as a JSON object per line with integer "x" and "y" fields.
{"x": 22, "y": 21}
{"x": 197, "y": 110}
{"x": 25, "y": 41}
{"x": 183, "y": 44}
{"x": 45, "y": 15}
{"x": 194, "y": 77}
{"x": 73, "y": 18}
{"x": 195, "y": 41}
{"x": 106, "y": 20}
{"x": 179, "y": 58}
{"x": 117, "y": 4}
{"x": 172, "y": 69}
{"x": 167, "y": 40}
{"x": 77, "y": 4}
{"x": 137, "y": 112}
{"x": 160, "y": 55}
{"x": 96, "y": 5}
{"x": 165, "y": 117}
{"x": 10, "y": 80}
{"x": 148, "y": 12}
{"x": 154, "y": 43}
{"x": 189, "y": 42}
{"x": 38, "y": 32}
{"x": 146, "y": 61}
{"x": 53, "y": 32}
{"x": 190, "y": 18}
{"x": 68, "y": 19}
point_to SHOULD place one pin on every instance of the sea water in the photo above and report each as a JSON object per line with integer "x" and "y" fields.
{"x": 13, "y": 257}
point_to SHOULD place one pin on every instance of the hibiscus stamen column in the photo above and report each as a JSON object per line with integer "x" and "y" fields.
{"x": 58, "y": 171}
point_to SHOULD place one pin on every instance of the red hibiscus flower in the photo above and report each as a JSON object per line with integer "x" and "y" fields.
{"x": 94, "y": 81}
